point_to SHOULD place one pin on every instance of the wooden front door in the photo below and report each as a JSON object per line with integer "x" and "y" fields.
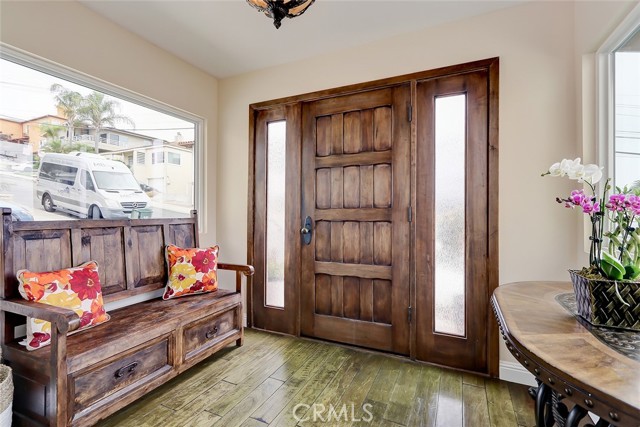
{"x": 356, "y": 190}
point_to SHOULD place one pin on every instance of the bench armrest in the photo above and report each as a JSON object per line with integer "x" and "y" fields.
{"x": 246, "y": 270}
{"x": 66, "y": 320}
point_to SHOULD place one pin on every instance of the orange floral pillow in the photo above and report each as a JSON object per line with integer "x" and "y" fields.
{"x": 77, "y": 289}
{"x": 191, "y": 271}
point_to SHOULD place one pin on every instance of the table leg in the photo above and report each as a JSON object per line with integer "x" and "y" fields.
{"x": 576, "y": 414}
{"x": 544, "y": 416}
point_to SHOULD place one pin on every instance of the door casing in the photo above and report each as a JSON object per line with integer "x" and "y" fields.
{"x": 293, "y": 107}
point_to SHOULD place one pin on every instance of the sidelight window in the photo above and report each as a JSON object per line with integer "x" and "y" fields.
{"x": 275, "y": 239}
{"x": 450, "y": 135}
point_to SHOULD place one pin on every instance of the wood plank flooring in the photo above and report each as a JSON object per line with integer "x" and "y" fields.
{"x": 283, "y": 381}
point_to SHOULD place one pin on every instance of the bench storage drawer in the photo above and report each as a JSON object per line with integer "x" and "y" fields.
{"x": 135, "y": 368}
{"x": 204, "y": 333}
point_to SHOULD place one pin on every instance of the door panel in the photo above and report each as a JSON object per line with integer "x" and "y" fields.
{"x": 452, "y": 232}
{"x": 356, "y": 188}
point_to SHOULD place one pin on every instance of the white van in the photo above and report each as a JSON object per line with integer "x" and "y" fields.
{"x": 88, "y": 185}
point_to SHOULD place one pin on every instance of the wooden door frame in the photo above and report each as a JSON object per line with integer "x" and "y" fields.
{"x": 286, "y": 320}
{"x": 492, "y": 66}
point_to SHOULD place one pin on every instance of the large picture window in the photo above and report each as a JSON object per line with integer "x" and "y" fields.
{"x": 618, "y": 103}
{"x": 60, "y": 131}
{"x": 627, "y": 112}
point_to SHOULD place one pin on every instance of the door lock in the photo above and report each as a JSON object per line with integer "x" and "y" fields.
{"x": 307, "y": 230}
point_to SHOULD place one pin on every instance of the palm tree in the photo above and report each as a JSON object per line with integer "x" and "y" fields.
{"x": 54, "y": 144}
{"x": 98, "y": 112}
{"x": 69, "y": 102}
{"x": 50, "y": 131}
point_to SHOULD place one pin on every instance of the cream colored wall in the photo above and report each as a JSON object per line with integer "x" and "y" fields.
{"x": 538, "y": 43}
{"x": 72, "y": 35}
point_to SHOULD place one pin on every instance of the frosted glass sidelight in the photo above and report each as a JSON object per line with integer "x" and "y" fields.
{"x": 275, "y": 239}
{"x": 450, "y": 136}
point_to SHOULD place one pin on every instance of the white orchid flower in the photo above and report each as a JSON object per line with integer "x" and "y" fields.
{"x": 576, "y": 172}
{"x": 555, "y": 169}
{"x": 564, "y": 167}
{"x": 591, "y": 174}
{"x": 570, "y": 164}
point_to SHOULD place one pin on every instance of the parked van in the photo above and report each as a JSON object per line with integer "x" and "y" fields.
{"x": 88, "y": 185}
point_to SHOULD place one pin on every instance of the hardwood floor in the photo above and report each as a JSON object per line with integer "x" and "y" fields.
{"x": 282, "y": 381}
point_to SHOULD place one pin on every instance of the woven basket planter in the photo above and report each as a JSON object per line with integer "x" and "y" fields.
{"x": 599, "y": 304}
{"x": 6, "y": 395}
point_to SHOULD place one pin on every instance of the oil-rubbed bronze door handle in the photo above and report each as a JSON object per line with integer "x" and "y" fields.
{"x": 307, "y": 231}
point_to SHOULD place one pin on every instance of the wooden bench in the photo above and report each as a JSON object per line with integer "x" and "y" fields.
{"x": 82, "y": 378}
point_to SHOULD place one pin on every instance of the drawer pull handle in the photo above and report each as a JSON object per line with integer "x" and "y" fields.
{"x": 126, "y": 369}
{"x": 212, "y": 333}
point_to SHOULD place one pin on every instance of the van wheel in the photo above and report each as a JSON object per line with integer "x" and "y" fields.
{"x": 94, "y": 212}
{"x": 47, "y": 203}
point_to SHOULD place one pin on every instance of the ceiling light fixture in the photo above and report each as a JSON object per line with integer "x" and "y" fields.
{"x": 280, "y": 9}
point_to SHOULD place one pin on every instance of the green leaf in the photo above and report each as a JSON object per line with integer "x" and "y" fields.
{"x": 631, "y": 271}
{"x": 612, "y": 267}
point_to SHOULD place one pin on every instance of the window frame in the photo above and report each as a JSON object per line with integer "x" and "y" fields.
{"x": 54, "y": 69}
{"x": 138, "y": 157}
{"x": 157, "y": 158}
{"x": 169, "y": 162}
{"x": 605, "y": 92}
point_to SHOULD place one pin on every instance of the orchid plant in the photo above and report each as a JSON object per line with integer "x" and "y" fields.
{"x": 617, "y": 218}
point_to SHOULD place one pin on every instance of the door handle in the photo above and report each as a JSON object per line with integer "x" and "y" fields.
{"x": 307, "y": 230}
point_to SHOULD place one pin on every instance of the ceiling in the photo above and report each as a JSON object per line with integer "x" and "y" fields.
{"x": 229, "y": 37}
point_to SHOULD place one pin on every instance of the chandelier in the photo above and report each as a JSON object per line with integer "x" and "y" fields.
{"x": 280, "y": 9}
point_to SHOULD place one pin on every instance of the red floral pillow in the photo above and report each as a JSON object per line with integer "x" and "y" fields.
{"x": 191, "y": 271}
{"x": 77, "y": 289}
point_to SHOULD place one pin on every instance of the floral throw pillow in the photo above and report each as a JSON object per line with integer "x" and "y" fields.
{"x": 191, "y": 271}
{"x": 77, "y": 289}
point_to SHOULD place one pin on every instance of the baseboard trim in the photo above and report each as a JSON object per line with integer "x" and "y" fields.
{"x": 516, "y": 373}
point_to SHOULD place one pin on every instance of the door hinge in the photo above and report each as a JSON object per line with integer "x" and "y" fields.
{"x": 409, "y": 214}
{"x": 409, "y": 112}
{"x": 410, "y": 314}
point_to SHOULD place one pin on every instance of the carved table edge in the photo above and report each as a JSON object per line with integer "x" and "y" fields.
{"x": 575, "y": 392}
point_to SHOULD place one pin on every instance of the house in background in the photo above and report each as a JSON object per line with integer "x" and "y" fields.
{"x": 29, "y": 131}
{"x": 21, "y": 139}
{"x": 112, "y": 139}
{"x": 167, "y": 168}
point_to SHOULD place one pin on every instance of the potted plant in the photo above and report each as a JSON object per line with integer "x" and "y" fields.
{"x": 607, "y": 291}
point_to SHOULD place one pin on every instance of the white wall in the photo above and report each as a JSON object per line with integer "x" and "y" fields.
{"x": 540, "y": 45}
{"x": 74, "y": 36}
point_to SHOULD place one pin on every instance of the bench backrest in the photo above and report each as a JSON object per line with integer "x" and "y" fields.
{"x": 130, "y": 253}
